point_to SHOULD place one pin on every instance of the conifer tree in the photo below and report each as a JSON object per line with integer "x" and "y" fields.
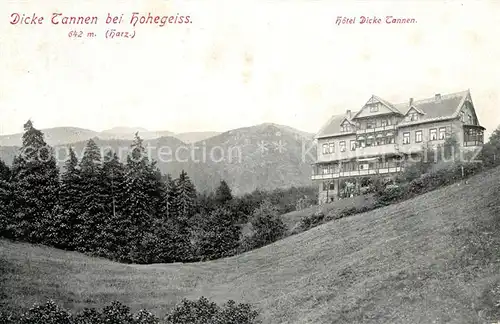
{"x": 168, "y": 197}
{"x": 5, "y": 199}
{"x": 185, "y": 196}
{"x": 92, "y": 202}
{"x": 69, "y": 205}
{"x": 4, "y": 171}
{"x": 143, "y": 189}
{"x": 223, "y": 194}
{"x": 35, "y": 186}
{"x": 114, "y": 236}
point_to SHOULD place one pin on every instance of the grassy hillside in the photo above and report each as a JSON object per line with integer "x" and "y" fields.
{"x": 292, "y": 219}
{"x": 432, "y": 259}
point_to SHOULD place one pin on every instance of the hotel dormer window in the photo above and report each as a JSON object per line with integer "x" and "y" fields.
{"x": 345, "y": 128}
{"x": 373, "y": 108}
{"x": 412, "y": 116}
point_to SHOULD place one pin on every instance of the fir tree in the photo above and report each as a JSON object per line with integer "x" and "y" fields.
{"x": 143, "y": 188}
{"x": 4, "y": 171}
{"x": 5, "y": 199}
{"x": 168, "y": 197}
{"x": 115, "y": 236}
{"x": 69, "y": 205}
{"x": 93, "y": 201}
{"x": 223, "y": 194}
{"x": 185, "y": 196}
{"x": 35, "y": 183}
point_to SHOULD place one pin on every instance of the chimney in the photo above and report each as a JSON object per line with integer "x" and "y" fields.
{"x": 437, "y": 97}
{"x": 411, "y": 102}
{"x": 348, "y": 114}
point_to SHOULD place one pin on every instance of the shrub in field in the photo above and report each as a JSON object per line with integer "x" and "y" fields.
{"x": 390, "y": 195}
{"x": 88, "y": 316}
{"x": 441, "y": 177}
{"x": 48, "y": 313}
{"x": 267, "y": 227}
{"x": 201, "y": 311}
{"x": 319, "y": 217}
{"x": 312, "y": 220}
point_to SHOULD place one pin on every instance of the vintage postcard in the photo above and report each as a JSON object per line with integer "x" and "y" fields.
{"x": 243, "y": 162}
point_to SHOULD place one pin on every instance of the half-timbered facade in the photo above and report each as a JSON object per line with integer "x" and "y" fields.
{"x": 378, "y": 139}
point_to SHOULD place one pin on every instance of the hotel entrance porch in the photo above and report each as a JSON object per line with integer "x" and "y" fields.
{"x": 341, "y": 179}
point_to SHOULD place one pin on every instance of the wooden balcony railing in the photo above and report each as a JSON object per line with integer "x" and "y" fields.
{"x": 376, "y": 129}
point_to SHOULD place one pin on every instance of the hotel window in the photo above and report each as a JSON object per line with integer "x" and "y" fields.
{"x": 418, "y": 136}
{"x": 470, "y": 119}
{"x": 412, "y": 116}
{"x": 383, "y": 123}
{"x": 345, "y": 128}
{"x": 371, "y": 124}
{"x": 328, "y": 186}
{"x": 406, "y": 138}
{"x": 380, "y": 139}
{"x": 361, "y": 142}
{"x": 433, "y": 134}
{"x": 353, "y": 145}
{"x": 442, "y": 133}
{"x": 374, "y": 108}
{"x": 325, "y": 148}
{"x": 342, "y": 146}
{"x": 389, "y": 138}
{"x": 462, "y": 116}
{"x": 332, "y": 147}
{"x": 389, "y": 122}
{"x": 369, "y": 140}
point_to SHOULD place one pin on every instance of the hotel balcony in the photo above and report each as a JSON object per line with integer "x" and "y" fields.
{"x": 376, "y": 150}
{"x": 357, "y": 173}
{"x": 376, "y": 129}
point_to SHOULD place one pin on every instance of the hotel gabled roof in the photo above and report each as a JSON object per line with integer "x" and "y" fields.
{"x": 446, "y": 107}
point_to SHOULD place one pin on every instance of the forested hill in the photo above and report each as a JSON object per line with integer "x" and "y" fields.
{"x": 265, "y": 156}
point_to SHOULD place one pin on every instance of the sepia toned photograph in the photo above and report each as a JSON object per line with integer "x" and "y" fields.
{"x": 249, "y": 162}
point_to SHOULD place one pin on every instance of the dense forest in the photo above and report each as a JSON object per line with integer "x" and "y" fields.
{"x": 131, "y": 212}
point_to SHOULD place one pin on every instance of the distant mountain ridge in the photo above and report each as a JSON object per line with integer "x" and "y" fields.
{"x": 265, "y": 156}
{"x": 68, "y": 135}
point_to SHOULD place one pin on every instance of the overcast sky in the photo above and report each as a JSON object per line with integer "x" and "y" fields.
{"x": 242, "y": 63}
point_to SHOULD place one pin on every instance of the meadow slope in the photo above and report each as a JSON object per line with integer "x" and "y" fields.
{"x": 431, "y": 259}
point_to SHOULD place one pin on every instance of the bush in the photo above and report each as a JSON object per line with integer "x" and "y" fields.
{"x": 319, "y": 217}
{"x": 267, "y": 227}
{"x": 441, "y": 177}
{"x": 311, "y": 221}
{"x": 390, "y": 195}
{"x": 88, "y": 316}
{"x": 201, "y": 311}
{"x": 49, "y": 313}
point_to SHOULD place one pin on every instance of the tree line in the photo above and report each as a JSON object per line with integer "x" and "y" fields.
{"x": 130, "y": 212}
